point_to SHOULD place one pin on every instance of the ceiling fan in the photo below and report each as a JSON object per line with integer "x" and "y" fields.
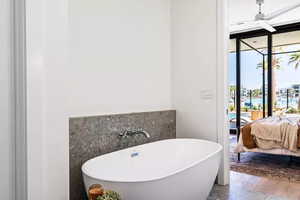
{"x": 261, "y": 19}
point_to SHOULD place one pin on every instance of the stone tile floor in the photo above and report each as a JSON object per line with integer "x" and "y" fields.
{"x": 248, "y": 187}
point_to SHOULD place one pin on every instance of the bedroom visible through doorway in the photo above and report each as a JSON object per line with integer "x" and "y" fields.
{"x": 260, "y": 91}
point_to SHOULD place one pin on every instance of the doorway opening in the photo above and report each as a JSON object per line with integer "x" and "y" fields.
{"x": 264, "y": 79}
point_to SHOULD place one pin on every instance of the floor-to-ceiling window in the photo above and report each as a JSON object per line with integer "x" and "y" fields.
{"x": 232, "y": 86}
{"x": 286, "y": 73}
{"x": 264, "y": 74}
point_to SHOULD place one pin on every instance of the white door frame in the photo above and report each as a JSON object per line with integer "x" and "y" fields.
{"x": 18, "y": 21}
{"x": 7, "y": 149}
{"x": 222, "y": 88}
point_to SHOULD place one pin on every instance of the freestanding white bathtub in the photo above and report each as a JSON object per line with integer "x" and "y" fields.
{"x": 176, "y": 169}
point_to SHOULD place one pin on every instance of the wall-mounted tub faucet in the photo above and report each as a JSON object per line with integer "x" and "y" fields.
{"x": 127, "y": 133}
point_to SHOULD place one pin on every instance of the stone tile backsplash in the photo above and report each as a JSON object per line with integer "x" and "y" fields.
{"x": 94, "y": 136}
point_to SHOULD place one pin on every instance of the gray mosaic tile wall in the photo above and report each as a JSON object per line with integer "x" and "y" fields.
{"x": 98, "y": 135}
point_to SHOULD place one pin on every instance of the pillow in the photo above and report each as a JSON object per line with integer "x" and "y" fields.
{"x": 248, "y": 139}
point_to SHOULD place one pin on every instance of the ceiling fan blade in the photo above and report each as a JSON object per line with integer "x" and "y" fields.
{"x": 246, "y": 25}
{"x": 242, "y": 23}
{"x": 266, "y": 26}
{"x": 281, "y": 11}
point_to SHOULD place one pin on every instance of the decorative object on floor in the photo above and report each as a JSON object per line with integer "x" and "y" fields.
{"x": 274, "y": 166}
{"x": 109, "y": 195}
{"x": 96, "y": 192}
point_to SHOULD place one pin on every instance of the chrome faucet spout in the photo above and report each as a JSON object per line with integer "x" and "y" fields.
{"x": 144, "y": 133}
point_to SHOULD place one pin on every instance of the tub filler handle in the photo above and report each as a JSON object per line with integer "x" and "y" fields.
{"x": 127, "y": 133}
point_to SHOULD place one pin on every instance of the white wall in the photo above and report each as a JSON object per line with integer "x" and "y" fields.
{"x": 194, "y": 67}
{"x": 120, "y": 56}
{"x": 35, "y": 75}
{"x": 89, "y": 58}
{"x": 47, "y": 123}
{"x": 199, "y": 66}
{"x": 6, "y": 132}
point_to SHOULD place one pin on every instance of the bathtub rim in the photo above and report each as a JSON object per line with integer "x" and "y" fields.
{"x": 193, "y": 164}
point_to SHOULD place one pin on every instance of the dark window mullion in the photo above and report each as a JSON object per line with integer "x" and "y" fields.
{"x": 264, "y": 87}
{"x": 238, "y": 85}
{"x": 270, "y": 100}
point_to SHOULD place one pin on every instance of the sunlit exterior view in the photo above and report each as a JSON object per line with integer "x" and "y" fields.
{"x": 254, "y": 81}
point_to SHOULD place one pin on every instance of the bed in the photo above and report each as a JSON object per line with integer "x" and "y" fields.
{"x": 282, "y": 126}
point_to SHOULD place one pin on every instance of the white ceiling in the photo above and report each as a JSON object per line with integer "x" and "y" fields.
{"x": 243, "y": 10}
